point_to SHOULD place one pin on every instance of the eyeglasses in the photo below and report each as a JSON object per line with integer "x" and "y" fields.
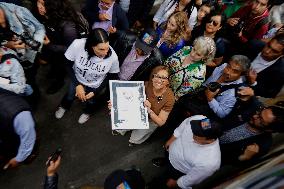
{"x": 213, "y": 22}
{"x": 163, "y": 78}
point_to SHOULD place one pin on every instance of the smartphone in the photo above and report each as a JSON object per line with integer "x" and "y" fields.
{"x": 54, "y": 156}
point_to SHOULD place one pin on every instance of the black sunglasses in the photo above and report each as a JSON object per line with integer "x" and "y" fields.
{"x": 213, "y": 21}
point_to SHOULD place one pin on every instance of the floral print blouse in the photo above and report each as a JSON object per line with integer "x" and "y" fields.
{"x": 184, "y": 79}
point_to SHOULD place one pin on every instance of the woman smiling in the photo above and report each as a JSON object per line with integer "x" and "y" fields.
{"x": 159, "y": 103}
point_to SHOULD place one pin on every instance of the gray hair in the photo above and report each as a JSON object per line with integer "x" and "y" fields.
{"x": 206, "y": 46}
{"x": 243, "y": 61}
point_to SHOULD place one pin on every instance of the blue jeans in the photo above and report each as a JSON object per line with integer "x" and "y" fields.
{"x": 70, "y": 97}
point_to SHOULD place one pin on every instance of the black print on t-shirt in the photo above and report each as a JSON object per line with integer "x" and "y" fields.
{"x": 88, "y": 66}
{"x": 92, "y": 65}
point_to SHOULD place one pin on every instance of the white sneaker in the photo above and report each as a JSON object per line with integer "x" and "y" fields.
{"x": 60, "y": 112}
{"x": 84, "y": 118}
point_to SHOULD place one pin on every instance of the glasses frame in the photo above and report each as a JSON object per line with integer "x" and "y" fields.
{"x": 163, "y": 79}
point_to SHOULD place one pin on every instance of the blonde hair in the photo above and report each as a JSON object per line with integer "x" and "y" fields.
{"x": 182, "y": 31}
{"x": 206, "y": 46}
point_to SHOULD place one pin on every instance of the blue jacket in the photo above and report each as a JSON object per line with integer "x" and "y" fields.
{"x": 22, "y": 22}
{"x": 165, "y": 49}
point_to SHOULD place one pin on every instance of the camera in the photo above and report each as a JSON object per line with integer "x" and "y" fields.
{"x": 214, "y": 86}
{"x": 33, "y": 44}
{"x": 238, "y": 28}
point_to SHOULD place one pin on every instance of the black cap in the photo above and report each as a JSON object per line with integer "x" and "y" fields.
{"x": 132, "y": 177}
{"x": 210, "y": 130}
{"x": 147, "y": 40}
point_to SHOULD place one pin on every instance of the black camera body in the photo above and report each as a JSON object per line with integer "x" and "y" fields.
{"x": 238, "y": 28}
{"x": 214, "y": 86}
{"x": 33, "y": 44}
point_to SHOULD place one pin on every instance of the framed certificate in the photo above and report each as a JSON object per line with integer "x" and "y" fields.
{"x": 128, "y": 111}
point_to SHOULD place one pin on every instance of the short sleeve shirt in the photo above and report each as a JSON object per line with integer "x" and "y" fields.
{"x": 165, "y": 104}
{"x": 90, "y": 71}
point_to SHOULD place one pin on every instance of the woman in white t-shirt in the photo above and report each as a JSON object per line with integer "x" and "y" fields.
{"x": 90, "y": 60}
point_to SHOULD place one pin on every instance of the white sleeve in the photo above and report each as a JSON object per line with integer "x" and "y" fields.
{"x": 277, "y": 13}
{"x": 161, "y": 11}
{"x": 194, "y": 176}
{"x": 193, "y": 18}
{"x": 179, "y": 130}
{"x": 72, "y": 51}
{"x": 115, "y": 65}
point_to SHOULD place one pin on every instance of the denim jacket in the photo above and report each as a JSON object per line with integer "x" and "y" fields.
{"x": 23, "y": 23}
{"x": 12, "y": 70}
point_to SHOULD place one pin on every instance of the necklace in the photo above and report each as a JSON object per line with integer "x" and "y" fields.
{"x": 159, "y": 97}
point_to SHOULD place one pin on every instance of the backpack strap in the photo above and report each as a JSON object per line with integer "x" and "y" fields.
{"x": 231, "y": 86}
{"x": 261, "y": 23}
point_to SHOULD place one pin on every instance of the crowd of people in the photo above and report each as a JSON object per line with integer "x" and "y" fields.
{"x": 205, "y": 65}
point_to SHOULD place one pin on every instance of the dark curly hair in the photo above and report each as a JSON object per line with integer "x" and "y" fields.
{"x": 59, "y": 10}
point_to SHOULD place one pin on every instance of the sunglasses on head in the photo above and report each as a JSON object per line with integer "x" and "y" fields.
{"x": 213, "y": 22}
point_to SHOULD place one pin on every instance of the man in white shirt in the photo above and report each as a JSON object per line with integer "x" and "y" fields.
{"x": 194, "y": 152}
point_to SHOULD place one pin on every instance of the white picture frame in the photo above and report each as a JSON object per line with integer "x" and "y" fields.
{"x": 128, "y": 110}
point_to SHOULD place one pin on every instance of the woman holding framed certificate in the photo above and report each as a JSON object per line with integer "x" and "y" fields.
{"x": 159, "y": 103}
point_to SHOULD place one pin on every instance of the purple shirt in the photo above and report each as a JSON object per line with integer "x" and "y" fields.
{"x": 104, "y": 24}
{"x": 130, "y": 65}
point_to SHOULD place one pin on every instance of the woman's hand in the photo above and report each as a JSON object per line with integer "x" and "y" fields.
{"x": 109, "y": 105}
{"x": 147, "y": 104}
{"x": 90, "y": 95}
{"x": 80, "y": 93}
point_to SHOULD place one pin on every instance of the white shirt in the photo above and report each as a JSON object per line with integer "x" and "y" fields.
{"x": 259, "y": 64}
{"x": 196, "y": 161}
{"x": 90, "y": 72}
{"x": 124, "y": 4}
{"x": 167, "y": 8}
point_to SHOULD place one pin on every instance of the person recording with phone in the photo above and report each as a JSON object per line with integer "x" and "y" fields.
{"x": 51, "y": 179}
